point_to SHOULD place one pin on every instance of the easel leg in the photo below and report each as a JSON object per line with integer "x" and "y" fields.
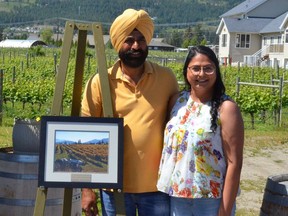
{"x": 76, "y": 100}
{"x": 67, "y": 204}
{"x": 39, "y": 208}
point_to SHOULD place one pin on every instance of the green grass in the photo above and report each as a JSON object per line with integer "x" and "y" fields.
{"x": 5, "y": 137}
{"x": 279, "y": 161}
{"x": 245, "y": 212}
{"x": 253, "y": 185}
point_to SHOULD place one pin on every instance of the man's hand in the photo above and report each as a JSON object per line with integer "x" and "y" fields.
{"x": 89, "y": 202}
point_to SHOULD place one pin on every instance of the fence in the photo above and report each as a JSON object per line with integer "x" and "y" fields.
{"x": 273, "y": 86}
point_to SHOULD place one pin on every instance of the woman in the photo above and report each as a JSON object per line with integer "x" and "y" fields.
{"x": 203, "y": 143}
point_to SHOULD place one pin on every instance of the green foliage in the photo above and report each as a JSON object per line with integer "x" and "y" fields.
{"x": 186, "y": 43}
{"x": 37, "y": 51}
{"x": 29, "y": 81}
{"x": 253, "y": 101}
{"x": 169, "y": 13}
{"x": 175, "y": 39}
{"x": 177, "y": 69}
{"x": 203, "y": 42}
{"x": 256, "y": 101}
{"x": 194, "y": 36}
{"x": 46, "y": 35}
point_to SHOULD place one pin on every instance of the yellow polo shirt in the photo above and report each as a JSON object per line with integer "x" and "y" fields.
{"x": 144, "y": 109}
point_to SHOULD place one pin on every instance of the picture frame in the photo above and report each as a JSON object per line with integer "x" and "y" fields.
{"x": 81, "y": 152}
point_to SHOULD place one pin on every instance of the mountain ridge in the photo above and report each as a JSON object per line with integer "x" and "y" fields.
{"x": 104, "y": 11}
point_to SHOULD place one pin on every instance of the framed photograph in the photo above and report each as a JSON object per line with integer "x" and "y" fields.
{"x": 81, "y": 152}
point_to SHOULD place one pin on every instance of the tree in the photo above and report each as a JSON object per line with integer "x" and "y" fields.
{"x": 188, "y": 34}
{"x": 186, "y": 43}
{"x": 46, "y": 35}
{"x": 203, "y": 42}
{"x": 176, "y": 38}
{"x": 187, "y": 37}
{"x": 198, "y": 37}
{"x": 1, "y": 33}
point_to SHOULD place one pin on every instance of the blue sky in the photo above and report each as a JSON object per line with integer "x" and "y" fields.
{"x": 83, "y": 135}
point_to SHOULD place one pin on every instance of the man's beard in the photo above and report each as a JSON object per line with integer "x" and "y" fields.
{"x": 134, "y": 62}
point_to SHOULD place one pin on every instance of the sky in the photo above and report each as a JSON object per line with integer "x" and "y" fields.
{"x": 83, "y": 135}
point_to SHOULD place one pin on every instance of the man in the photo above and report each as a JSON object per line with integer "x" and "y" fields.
{"x": 140, "y": 92}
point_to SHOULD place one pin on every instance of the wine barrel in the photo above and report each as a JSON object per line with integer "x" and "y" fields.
{"x": 19, "y": 184}
{"x": 26, "y": 136}
{"x": 275, "y": 198}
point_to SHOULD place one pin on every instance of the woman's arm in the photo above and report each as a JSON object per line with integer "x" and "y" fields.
{"x": 232, "y": 132}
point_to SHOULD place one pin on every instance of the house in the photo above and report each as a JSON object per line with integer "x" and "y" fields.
{"x": 89, "y": 39}
{"x": 11, "y": 43}
{"x": 155, "y": 44}
{"x": 159, "y": 44}
{"x": 255, "y": 33}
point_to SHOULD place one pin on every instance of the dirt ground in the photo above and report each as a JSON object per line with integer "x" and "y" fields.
{"x": 257, "y": 166}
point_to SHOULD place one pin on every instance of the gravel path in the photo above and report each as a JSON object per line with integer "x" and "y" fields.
{"x": 257, "y": 167}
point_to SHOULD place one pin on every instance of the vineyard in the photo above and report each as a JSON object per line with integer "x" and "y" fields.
{"x": 81, "y": 157}
{"x": 28, "y": 82}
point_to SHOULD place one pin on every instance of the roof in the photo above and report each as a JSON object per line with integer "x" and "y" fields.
{"x": 254, "y": 25}
{"x": 159, "y": 43}
{"x": 90, "y": 40}
{"x": 154, "y": 42}
{"x": 284, "y": 23}
{"x": 11, "y": 43}
{"x": 243, "y": 8}
{"x": 275, "y": 24}
{"x": 249, "y": 25}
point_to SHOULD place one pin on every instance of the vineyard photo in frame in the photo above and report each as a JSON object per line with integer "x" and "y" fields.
{"x": 81, "y": 152}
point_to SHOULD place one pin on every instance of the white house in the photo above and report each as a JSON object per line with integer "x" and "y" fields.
{"x": 255, "y": 33}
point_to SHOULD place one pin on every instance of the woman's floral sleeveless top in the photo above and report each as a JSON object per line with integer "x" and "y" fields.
{"x": 193, "y": 164}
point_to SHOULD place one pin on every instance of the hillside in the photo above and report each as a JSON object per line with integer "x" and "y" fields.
{"x": 164, "y": 12}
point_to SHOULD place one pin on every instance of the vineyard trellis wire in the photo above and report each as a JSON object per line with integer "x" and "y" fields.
{"x": 280, "y": 87}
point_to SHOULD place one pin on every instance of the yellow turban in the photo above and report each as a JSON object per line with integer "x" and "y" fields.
{"x": 124, "y": 24}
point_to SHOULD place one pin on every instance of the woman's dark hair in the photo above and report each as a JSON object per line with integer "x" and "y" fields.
{"x": 219, "y": 88}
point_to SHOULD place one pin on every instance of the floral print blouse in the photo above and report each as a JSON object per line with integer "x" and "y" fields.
{"x": 193, "y": 164}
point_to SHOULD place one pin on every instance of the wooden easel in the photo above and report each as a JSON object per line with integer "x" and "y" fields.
{"x": 82, "y": 29}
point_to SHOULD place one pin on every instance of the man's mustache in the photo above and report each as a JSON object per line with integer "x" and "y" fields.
{"x": 133, "y": 51}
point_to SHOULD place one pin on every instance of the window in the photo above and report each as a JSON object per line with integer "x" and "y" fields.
{"x": 242, "y": 41}
{"x": 279, "y": 39}
{"x": 286, "y": 36}
{"x": 224, "y": 40}
{"x": 265, "y": 40}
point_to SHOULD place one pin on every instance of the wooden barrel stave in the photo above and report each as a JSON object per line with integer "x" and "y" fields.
{"x": 18, "y": 188}
{"x": 275, "y": 198}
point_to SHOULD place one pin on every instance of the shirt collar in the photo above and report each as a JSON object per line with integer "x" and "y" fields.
{"x": 116, "y": 72}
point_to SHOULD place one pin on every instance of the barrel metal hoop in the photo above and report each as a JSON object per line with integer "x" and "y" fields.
{"x": 19, "y": 158}
{"x": 276, "y": 199}
{"x": 18, "y": 176}
{"x": 29, "y": 202}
